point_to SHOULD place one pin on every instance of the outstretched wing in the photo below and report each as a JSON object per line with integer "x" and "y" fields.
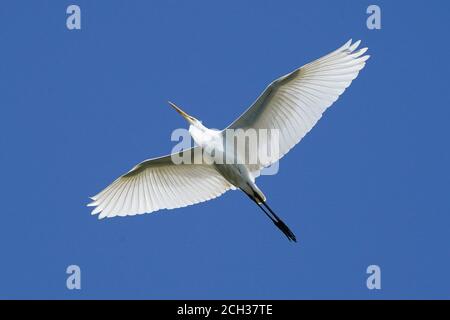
{"x": 295, "y": 102}
{"x": 159, "y": 184}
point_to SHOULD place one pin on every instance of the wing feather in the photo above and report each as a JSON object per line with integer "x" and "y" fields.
{"x": 295, "y": 102}
{"x": 157, "y": 184}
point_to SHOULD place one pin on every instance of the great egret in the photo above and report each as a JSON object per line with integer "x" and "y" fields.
{"x": 292, "y": 104}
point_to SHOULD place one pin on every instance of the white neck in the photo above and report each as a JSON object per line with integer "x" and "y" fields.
{"x": 202, "y": 135}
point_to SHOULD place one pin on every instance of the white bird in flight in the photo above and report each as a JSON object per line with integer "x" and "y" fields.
{"x": 291, "y": 104}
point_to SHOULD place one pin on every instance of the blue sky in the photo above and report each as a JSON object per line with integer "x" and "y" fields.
{"x": 368, "y": 185}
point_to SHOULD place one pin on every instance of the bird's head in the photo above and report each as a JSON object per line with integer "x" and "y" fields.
{"x": 192, "y": 121}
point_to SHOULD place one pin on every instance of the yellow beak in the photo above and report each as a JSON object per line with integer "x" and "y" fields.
{"x": 183, "y": 114}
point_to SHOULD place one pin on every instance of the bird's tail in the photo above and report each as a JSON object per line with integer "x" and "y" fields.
{"x": 262, "y": 204}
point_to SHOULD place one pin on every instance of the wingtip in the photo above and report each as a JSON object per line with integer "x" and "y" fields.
{"x": 363, "y": 50}
{"x": 102, "y": 215}
{"x": 347, "y": 44}
{"x": 96, "y": 210}
{"x": 354, "y": 46}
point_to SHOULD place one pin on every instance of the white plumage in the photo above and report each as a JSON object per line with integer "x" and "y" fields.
{"x": 295, "y": 102}
{"x": 292, "y": 104}
{"x": 157, "y": 184}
